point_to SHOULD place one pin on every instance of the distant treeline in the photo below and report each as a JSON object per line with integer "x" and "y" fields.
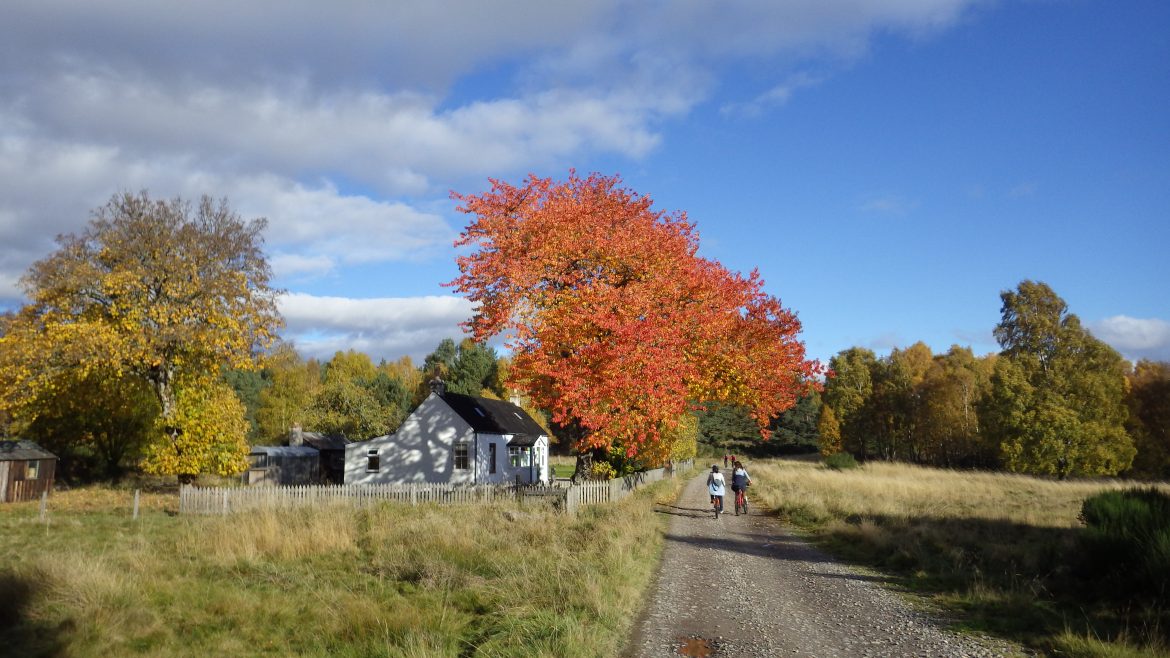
{"x": 1054, "y": 401}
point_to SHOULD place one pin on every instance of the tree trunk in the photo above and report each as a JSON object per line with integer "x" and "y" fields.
{"x": 584, "y": 468}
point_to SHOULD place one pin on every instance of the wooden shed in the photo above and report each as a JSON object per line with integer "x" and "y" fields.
{"x": 26, "y": 471}
{"x": 283, "y": 465}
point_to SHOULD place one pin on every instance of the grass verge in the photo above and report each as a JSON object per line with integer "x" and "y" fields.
{"x": 391, "y": 580}
{"x": 998, "y": 553}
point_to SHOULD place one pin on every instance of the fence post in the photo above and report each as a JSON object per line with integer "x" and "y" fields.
{"x": 225, "y": 502}
{"x": 44, "y": 504}
{"x": 135, "y": 517}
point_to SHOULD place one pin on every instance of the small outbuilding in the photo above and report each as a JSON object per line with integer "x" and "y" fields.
{"x": 331, "y": 449}
{"x": 283, "y": 465}
{"x": 26, "y": 471}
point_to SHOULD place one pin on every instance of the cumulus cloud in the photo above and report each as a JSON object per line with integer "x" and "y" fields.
{"x": 1135, "y": 338}
{"x": 381, "y": 327}
{"x": 346, "y": 125}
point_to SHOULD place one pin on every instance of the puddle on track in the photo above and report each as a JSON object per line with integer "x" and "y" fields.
{"x": 696, "y": 647}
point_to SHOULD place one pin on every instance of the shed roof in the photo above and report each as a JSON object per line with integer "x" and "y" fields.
{"x": 493, "y": 416}
{"x": 22, "y": 451}
{"x": 323, "y": 441}
{"x": 285, "y": 451}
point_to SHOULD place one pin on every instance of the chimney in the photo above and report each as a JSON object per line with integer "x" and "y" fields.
{"x": 438, "y": 386}
{"x": 296, "y": 438}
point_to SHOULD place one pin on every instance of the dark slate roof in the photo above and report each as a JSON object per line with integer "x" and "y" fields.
{"x": 495, "y": 417}
{"x": 23, "y": 450}
{"x": 285, "y": 451}
{"x": 322, "y": 441}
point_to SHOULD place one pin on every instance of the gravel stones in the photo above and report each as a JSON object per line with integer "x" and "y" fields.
{"x": 745, "y": 587}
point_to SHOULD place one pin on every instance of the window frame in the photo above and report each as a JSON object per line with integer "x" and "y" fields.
{"x": 373, "y": 461}
{"x": 462, "y": 454}
{"x": 520, "y": 456}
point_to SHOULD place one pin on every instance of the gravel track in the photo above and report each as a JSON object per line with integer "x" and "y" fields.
{"x": 744, "y": 586}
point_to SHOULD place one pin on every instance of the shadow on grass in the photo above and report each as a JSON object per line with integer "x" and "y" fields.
{"x": 1021, "y": 582}
{"x": 19, "y": 635}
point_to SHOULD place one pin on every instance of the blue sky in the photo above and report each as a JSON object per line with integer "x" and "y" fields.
{"x": 890, "y": 166}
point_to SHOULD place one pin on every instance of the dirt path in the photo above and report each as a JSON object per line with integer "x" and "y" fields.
{"x": 744, "y": 586}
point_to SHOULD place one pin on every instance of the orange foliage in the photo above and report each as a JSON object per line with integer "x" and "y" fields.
{"x": 614, "y": 321}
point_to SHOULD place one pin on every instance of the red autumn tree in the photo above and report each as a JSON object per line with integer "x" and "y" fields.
{"x": 615, "y": 323}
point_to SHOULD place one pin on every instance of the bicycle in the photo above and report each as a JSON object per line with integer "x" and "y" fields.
{"x": 717, "y": 504}
{"x": 741, "y": 501}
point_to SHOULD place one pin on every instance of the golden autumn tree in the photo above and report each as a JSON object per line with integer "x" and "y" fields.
{"x": 616, "y": 325}
{"x": 167, "y": 291}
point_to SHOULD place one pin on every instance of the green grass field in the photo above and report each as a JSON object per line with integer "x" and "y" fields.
{"x": 999, "y": 553}
{"x": 385, "y": 581}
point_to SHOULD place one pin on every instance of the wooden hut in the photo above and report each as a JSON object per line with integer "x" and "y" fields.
{"x": 26, "y": 471}
{"x": 283, "y": 465}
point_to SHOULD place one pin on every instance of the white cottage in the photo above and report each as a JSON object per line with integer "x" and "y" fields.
{"x": 454, "y": 439}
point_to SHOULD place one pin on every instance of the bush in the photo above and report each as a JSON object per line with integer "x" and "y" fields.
{"x": 602, "y": 471}
{"x": 841, "y": 461}
{"x": 1127, "y": 540}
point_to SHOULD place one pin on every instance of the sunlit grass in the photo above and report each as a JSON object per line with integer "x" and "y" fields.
{"x": 1001, "y": 552}
{"x": 391, "y": 580}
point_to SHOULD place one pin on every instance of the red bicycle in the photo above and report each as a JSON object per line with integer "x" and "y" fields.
{"x": 740, "y": 501}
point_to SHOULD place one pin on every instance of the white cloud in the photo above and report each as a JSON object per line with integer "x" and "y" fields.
{"x": 320, "y": 224}
{"x": 889, "y": 205}
{"x": 338, "y": 122}
{"x": 48, "y": 188}
{"x": 1134, "y": 337}
{"x": 381, "y": 327}
{"x": 777, "y": 96}
{"x": 286, "y": 266}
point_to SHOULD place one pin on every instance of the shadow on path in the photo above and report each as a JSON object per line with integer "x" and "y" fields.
{"x": 763, "y": 542}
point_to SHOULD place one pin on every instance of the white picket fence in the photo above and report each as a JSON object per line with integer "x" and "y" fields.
{"x": 227, "y": 500}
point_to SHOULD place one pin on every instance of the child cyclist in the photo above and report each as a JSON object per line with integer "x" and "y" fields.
{"x": 740, "y": 481}
{"x": 715, "y": 486}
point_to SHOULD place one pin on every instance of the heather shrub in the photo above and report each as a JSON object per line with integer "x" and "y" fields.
{"x": 1127, "y": 540}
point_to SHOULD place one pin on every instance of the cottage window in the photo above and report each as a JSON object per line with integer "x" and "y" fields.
{"x": 520, "y": 457}
{"x": 491, "y": 458}
{"x": 258, "y": 461}
{"x": 373, "y": 461}
{"x": 33, "y": 470}
{"x": 462, "y": 462}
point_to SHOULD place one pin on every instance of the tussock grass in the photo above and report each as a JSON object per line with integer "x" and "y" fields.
{"x": 390, "y": 580}
{"x": 1002, "y": 553}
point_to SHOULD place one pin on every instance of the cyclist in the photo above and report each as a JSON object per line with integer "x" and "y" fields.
{"x": 740, "y": 481}
{"x": 715, "y": 486}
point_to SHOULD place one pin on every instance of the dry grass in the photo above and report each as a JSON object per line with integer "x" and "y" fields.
{"x": 903, "y": 491}
{"x": 390, "y": 580}
{"x": 94, "y": 500}
{"x": 1001, "y": 552}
